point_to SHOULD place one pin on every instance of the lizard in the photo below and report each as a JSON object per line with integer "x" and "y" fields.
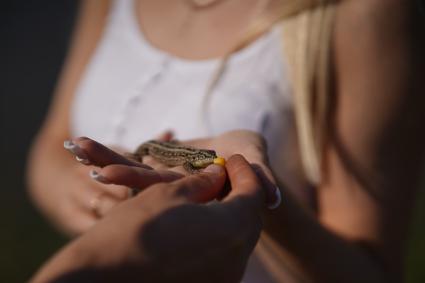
{"x": 175, "y": 154}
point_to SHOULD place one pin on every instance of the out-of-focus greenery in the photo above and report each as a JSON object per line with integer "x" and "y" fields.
{"x": 26, "y": 240}
{"x": 415, "y": 261}
{"x": 34, "y": 38}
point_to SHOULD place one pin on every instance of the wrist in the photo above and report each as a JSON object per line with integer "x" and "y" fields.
{"x": 73, "y": 263}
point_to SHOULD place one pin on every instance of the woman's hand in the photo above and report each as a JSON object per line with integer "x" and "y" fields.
{"x": 165, "y": 234}
{"x": 66, "y": 194}
{"x": 80, "y": 201}
{"x": 83, "y": 202}
{"x": 115, "y": 174}
{"x": 117, "y": 169}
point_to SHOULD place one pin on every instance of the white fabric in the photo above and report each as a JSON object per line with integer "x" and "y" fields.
{"x": 131, "y": 92}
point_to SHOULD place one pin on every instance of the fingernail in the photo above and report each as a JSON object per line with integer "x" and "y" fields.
{"x": 68, "y": 144}
{"x": 75, "y": 149}
{"x": 98, "y": 177}
{"x": 215, "y": 169}
{"x": 82, "y": 160}
{"x": 278, "y": 199}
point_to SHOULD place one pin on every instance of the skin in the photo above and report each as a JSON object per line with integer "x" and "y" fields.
{"x": 162, "y": 209}
{"x": 365, "y": 198}
{"x": 114, "y": 168}
{"x": 369, "y": 185}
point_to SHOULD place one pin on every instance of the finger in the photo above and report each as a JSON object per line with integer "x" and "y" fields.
{"x": 120, "y": 192}
{"x": 202, "y": 187}
{"x": 244, "y": 182}
{"x": 273, "y": 193}
{"x": 157, "y": 165}
{"x": 101, "y": 204}
{"x": 75, "y": 220}
{"x": 88, "y": 151}
{"x": 95, "y": 200}
{"x": 165, "y": 136}
{"x": 116, "y": 191}
{"x": 133, "y": 177}
{"x": 259, "y": 162}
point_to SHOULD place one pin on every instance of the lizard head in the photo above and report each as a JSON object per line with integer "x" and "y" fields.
{"x": 203, "y": 158}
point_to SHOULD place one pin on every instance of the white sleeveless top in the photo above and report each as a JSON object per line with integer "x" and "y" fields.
{"x": 132, "y": 92}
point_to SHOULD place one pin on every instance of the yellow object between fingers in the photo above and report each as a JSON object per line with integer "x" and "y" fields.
{"x": 220, "y": 161}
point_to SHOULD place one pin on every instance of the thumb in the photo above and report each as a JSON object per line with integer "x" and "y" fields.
{"x": 246, "y": 186}
{"x": 202, "y": 187}
{"x": 165, "y": 136}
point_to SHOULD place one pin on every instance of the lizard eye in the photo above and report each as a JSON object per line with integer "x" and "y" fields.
{"x": 212, "y": 152}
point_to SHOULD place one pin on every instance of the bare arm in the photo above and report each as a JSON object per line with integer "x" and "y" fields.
{"x": 375, "y": 154}
{"x": 58, "y": 186}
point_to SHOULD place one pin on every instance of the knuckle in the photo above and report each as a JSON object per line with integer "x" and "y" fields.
{"x": 160, "y": 188}
{"x": 166, "y": 191}
{"x": 202, "y": 180}
{"x": 181, "y": 191}
{"x": 109, "y": 173}
{"x": 119, "y": 192}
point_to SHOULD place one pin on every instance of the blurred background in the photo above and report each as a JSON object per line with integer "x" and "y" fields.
{"x": 33, "y": 42}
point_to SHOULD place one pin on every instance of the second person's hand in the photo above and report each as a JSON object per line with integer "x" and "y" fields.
{"x": 167, "y": 234}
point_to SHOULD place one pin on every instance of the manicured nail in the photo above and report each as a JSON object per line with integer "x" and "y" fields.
{"x": 75, "y": 149}
{"x": 215, "y": 169}
{"x": 278, "y": 199}
{"x": 82, "y": 160}
{"x": 98, "y": 177}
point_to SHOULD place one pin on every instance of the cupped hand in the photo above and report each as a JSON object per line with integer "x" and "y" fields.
{"x": 87, "y": 196}
{"x": 87, "y": 201}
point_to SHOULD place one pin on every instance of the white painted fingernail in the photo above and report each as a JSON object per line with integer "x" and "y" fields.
{"x": 75, "y": 149}
{"x": 68, "y": 144}
{"x": 96, "y": 176}
{"x": 278, "y": 200}
{"x": 82, "y": 160}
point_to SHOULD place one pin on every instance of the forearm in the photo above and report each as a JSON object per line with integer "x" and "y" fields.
{"x": 70, "y": 264}
{"x": 44, "y": 164}
{"x": 79, "y": 262}
{"x": 50, "y": 175}
{"x": 379, "y": 123}
{"x": 50, "y": 167}
{"x": 321, "y": 255}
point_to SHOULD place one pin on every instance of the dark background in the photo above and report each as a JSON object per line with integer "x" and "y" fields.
{"x": 33, "y": 42}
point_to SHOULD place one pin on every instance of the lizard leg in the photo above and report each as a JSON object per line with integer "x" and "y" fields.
{"x": 190, "y": 168}
{"x": 138, "y": 154}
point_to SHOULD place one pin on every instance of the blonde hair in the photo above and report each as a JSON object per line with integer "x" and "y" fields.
{"x": 307, "y": 31}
